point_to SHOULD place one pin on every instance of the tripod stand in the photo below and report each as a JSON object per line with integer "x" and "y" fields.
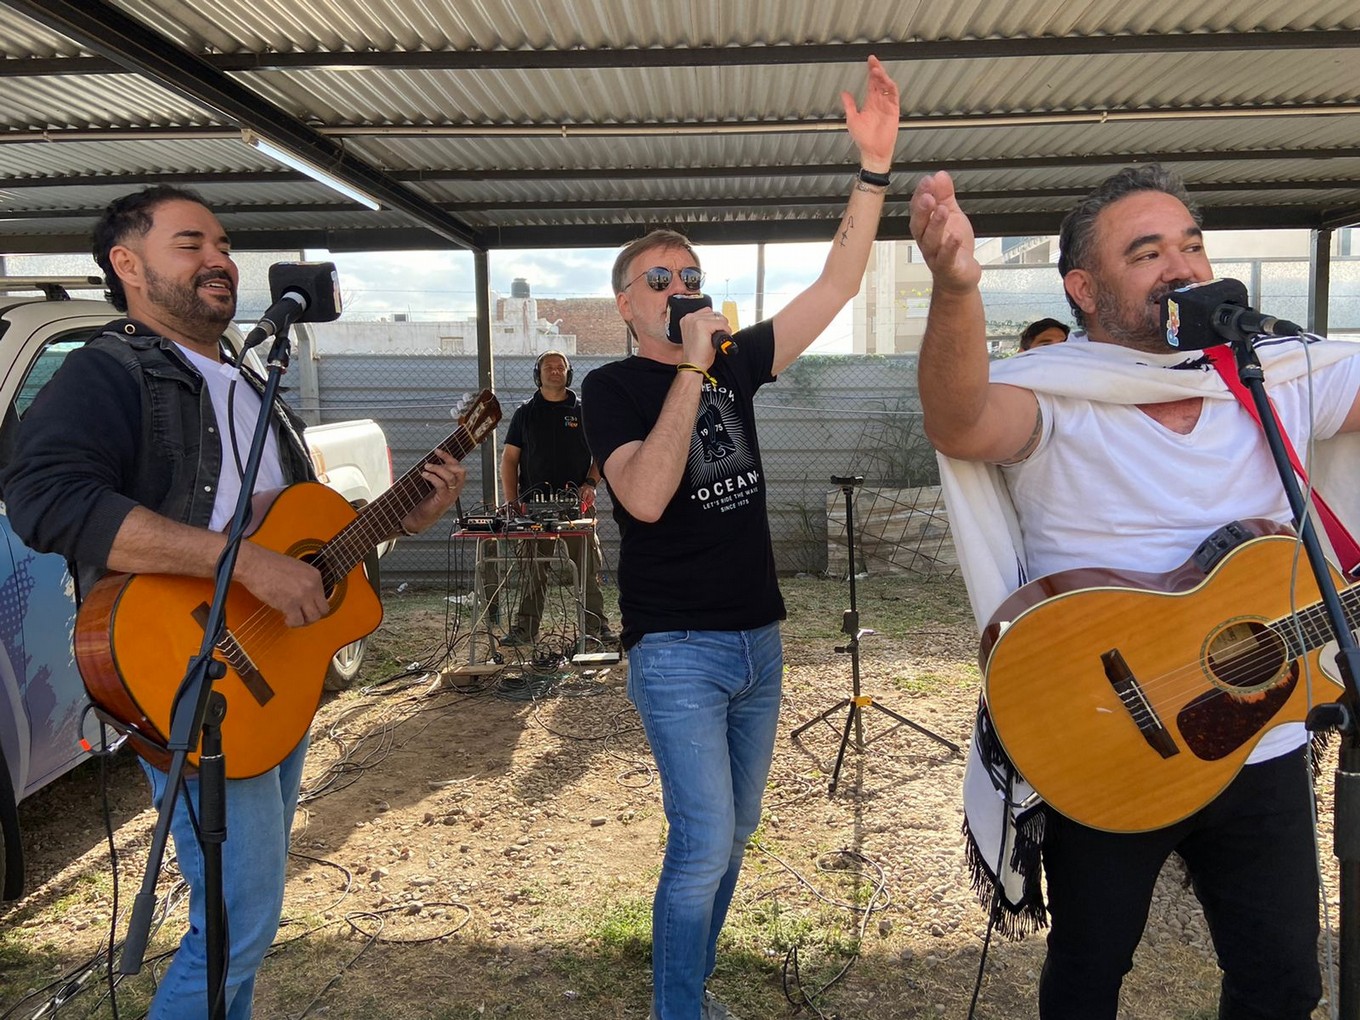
{"x": 857, "y": 702}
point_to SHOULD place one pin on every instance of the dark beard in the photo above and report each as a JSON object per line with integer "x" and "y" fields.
{"x": 184, "y": 303}
{"x": 1135, "y": 326}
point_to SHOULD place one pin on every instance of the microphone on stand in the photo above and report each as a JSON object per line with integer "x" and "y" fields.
{"x": 300, "y": 292}
{"x": 1202, "y": 315}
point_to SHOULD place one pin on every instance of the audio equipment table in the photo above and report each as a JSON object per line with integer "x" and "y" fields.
{"x": 502, "y": 558}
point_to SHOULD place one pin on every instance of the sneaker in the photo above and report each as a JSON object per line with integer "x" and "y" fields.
{"x": 606, "y": 639}
{"x": 715, "y": 1010}
{"x": 516, "y": 639}
{"x": 712, "y": 1009}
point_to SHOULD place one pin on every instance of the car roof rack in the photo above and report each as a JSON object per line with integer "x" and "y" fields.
{"x": 54, "y": 288}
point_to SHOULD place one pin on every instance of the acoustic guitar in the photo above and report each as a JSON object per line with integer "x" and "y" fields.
{"x": 1130, "y": 700}
{"x": 135, "y": 633}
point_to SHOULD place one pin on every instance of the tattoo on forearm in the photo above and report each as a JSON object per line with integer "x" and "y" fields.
{"x": 1031, "y": 442}
{"x": 845, "y": 234}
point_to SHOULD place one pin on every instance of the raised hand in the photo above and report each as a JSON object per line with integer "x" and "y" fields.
{"x": 873, "y": 127}
{"x": 943, "y": 233}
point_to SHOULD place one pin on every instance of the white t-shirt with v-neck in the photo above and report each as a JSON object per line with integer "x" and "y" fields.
{"x": 236, "y": 405}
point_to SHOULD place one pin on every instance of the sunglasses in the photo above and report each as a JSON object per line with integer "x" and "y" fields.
{"x": 659, "y": 278}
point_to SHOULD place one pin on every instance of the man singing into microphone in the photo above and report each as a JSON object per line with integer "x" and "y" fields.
{"x": 130, "y": 459}
{"x": 1114, "y": 451}
{"x": 674, "y": 429}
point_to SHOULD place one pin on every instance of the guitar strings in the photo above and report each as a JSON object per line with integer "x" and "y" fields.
{"x": 260, "y": 632}
{"x": 1247, "y": 655}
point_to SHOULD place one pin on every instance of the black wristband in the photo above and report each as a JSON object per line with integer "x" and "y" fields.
{"x": 869, "y": 177}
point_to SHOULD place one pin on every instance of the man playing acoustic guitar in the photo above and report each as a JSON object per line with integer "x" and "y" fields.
{"x": 1114, "y": 451}
{"x": 122, "y": 466}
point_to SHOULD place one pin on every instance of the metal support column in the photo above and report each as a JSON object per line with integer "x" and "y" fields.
{"x": 486, "y": 372}
{"x": 1319, "y": 279}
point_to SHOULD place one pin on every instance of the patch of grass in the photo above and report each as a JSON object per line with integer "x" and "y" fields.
{"x": 625, "y": 926}
{"x": 89, "y": 889}
{"x": 772, "y": 925}
{"x": 930, "y": 683}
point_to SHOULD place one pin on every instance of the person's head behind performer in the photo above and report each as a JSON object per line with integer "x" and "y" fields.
{"x": 1125, "y": 246}
{"x": 1043, "y": 333}
{"x": 552, "y": 374}
{"x": 648, "y": 271}
{"x": 167, "y": 262}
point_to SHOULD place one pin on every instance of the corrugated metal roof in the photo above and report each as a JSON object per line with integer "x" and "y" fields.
{"x": 577, "y": 123}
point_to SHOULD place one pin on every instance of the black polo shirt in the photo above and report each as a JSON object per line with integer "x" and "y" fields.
{"x": 552, "y": 443}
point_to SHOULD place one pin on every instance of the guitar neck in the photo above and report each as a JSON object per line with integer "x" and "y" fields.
{"x": 1315, "y": 625}
{"x": 382, "y": 518}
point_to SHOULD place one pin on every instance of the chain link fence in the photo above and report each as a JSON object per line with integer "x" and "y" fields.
{"x": 827, "y": 415}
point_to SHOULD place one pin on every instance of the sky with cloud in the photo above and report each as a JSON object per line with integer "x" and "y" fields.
{"x": 439, "y": 285}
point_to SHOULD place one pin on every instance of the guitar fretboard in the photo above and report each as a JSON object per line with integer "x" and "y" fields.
{"x": 382, "y": 518}
{"x": 1310, "y": 628}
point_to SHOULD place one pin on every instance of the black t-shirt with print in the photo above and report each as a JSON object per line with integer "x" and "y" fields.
{"x": 553, "y": 452}
{"x": 707, "y": 563}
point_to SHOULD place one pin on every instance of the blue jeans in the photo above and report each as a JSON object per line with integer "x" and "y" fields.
{"x": 259, "y": 820}
{"x": 709, "y": 702}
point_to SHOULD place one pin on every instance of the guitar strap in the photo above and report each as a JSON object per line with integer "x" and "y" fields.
{"x": 1346, "y": 548}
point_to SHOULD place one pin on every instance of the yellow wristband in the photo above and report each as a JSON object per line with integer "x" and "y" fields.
{"x": 685, "y": 366}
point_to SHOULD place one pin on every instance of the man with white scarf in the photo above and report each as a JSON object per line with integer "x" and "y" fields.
{"x": 1113, "y": 451}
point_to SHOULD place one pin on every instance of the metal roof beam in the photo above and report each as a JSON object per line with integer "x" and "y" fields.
{"x": 111, "y": 33}
{"x": 187, "y": 178}
{"x": 911, "y": 51}
{"x": 702, "y": 128}
{"x": 958, "y": 167}
{"x": 900, "y": 167}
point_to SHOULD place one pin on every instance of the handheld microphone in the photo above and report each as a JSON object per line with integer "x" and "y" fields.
{"x": 301, "y": 292}
{"x": 681, "y": 305}
{"x": 1202, "y": 315}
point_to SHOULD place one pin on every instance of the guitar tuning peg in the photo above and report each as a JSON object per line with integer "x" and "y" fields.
{"x": 459, "y": 409}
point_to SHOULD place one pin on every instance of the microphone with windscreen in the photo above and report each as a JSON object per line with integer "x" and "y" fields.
{"x": 681, "y": 305}
{"x": 1202, "y": 315}
{"x": 300, "y": 292}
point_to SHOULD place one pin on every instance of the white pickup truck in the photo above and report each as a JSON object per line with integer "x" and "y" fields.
{"x": 42, "y": 698}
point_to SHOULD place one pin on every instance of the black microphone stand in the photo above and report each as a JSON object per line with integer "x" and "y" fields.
{"x": 197, "y": 714}
{"x": 857, "y": 702}
{"x": 1339, "y": 715}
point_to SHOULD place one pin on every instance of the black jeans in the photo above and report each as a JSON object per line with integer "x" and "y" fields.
{"x": 1252, "y": 864}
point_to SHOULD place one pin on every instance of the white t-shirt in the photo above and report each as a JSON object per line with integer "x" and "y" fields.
{"x": 1109, "y": 487}
{"x": 244, "y": 404}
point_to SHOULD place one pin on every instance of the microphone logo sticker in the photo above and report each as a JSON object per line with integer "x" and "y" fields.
{"x": 1173, "y": 323}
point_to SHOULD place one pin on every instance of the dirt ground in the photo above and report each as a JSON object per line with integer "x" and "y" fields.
{"x": 476, "y": 846}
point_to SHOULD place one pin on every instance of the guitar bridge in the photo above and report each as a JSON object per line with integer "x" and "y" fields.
{"x": 238, "y": 659}
{"x": 1144, "y": 716}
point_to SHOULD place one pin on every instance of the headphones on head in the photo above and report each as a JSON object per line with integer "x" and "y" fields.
{"x": 538, "y": 365}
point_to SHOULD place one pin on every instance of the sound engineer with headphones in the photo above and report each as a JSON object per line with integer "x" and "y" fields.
{"x": 545, "y": 452}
